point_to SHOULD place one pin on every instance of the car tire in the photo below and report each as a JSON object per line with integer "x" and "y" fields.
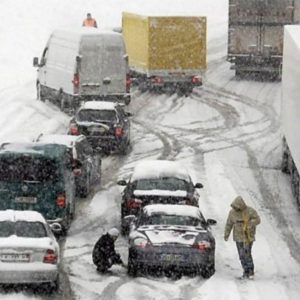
{"x": 85, "y": 190}
{"x": 132, "y": 269}
{"x": 39, "y": 95}
{"x": 208, "y": 271}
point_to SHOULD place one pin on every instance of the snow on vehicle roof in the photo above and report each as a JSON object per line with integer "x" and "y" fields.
{"x": 84, "y": 31}
{"x": 170, "y": 209}
{"x": 100, "y": 105}
{"x": 21, "y": 215}
{"x": 159, "y": 168}
{"x": 62, "y": 139}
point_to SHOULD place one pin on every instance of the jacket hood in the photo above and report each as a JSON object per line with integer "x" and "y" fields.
{"x": 238, "y": 203}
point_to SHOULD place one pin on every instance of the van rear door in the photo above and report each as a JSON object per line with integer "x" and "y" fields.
{"x": 103, "y": 67}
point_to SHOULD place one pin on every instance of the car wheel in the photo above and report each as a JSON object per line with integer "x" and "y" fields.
{"x": 132, "y": 269}
{"x": 85, "y": 190}
{"x": 39, "y": 95}
{"x": 208, "y": 271}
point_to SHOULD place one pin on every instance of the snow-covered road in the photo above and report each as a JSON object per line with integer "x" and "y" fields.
{"x": 227, "y": 134}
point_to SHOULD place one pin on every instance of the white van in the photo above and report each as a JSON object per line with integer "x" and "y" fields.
{"x": 87, "y": 64}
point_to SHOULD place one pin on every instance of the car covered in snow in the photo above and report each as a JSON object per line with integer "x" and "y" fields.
{"x": 171, "y": 238}
{"x": 29, "y": 252}
{"x": 105, "y": 124}
{"x": 86, "y": 162}
{"x": 157, "y": 181}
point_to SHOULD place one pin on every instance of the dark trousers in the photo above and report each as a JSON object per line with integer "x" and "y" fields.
{"x": 244, "y": 250}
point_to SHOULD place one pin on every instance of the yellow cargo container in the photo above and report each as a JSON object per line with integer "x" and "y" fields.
{"x": 165, "y": 43}
{"x": 172, "y": 47}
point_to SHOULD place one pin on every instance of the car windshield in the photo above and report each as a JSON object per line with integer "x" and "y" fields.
{"x": 162, "y": 219}
{"x": 91, "y": 115}
{"x": 22, "y": 229}
{"x": 164, "y": 183}
{"x": 27, "y": 168}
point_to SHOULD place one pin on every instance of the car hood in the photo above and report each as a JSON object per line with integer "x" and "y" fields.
{"x": 20, "y": 242}
{"x": 180, "y": 235}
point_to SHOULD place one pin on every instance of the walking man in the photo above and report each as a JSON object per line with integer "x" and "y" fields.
{"x": 243, "y": 220}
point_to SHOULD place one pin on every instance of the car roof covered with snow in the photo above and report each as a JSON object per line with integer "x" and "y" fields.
{"x": 171, "y": 209}
{"x": 150, "y": 169}
{"x": 21, "y": 215}
{"x": 99, "y": 105}
{"x": 61, "y": 139}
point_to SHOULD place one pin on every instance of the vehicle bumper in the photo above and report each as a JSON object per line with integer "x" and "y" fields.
{"x": 188, "y": 259}
{"x": 11, "y": 273}
{"x": 104, "y": 143}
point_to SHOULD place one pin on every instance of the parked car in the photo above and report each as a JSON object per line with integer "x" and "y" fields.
{"x": 105, "y": 124}
{"x": 87, "y": 162}
{"x": 171, "y": 238}
{"x": 29, "y": 252}
{"x": 80, "y": 65}
{"x": 157, "y": 181}
{"x": 38, "y": 177}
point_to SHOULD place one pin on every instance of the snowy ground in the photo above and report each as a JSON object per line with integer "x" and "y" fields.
{"x": 227, "y": 134}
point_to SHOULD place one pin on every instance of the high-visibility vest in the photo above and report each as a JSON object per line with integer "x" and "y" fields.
{"x": 89, "y": 23}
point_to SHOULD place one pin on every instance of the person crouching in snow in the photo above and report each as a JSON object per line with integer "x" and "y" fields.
{"x": 104, "y": 254}
{"x": 243, "y": 220}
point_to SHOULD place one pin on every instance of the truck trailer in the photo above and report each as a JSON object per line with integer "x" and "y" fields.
{"x": 255, "y": 34}
{"x": 290, "y": 107}
{"x": 165, "y": 54}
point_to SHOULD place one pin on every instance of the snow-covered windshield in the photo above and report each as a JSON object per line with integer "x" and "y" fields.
{"x": 165, "y": 183}
{"x": 22, "y": 229}
{"x": 91, "y": 115}
{"x": 161, "y": 219}
{"x": 27, "y": 168}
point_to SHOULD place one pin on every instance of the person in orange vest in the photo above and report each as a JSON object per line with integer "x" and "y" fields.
{"x": 89, "y": 21}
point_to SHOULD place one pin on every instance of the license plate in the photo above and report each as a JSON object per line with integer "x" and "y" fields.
{"x": 30, "y": 200}
{"x": 171, "y": 257}
{"x": 97, "y": 130}
{"x": 14, "y": 257}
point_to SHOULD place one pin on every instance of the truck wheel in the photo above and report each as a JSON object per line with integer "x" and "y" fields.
{"x": 208, "y": 271}
{"x": 39, "y": 95}
{"x": 284, "y": 163}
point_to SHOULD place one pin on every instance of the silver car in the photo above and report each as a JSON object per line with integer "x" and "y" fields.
{"x": 29, "y": 252}
{"x": 171, "y": 239}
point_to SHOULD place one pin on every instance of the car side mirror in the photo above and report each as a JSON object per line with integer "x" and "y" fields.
{"x": 198, "y": 185}
{"x": 121, "y": 182}
{"x": 56, "y": 228}
{"x": 211, "y": 222}
{"x": 35, "y": 61}
{"x": 106, "y": 80}
{"x": 130, "y": 219}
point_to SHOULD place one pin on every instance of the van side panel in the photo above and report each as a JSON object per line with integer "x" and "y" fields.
{"x": 61, "y": 63}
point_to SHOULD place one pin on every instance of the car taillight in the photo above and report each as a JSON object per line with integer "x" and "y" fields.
{"x": 134, "y": 203}
{"x": 141, "y": 243}
{"x": 128, "y": 83}
{"x": 50, "y": 257}
{"x": 202, "y": 245}
{"x": 61, "y": 200}
{"x": 196, "y": 79}
{"x": 74, "y": 129}
{"x": 76, "y": 80}
{"x": 157, "y": 80}
{"x": 119, "y": 132}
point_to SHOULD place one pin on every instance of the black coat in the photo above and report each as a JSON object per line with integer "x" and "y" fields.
{"x": 104, "y": 250}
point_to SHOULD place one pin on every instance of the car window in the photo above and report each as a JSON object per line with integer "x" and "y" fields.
{"x": 30, "y": 229}
{"x": 27, "y": 168}
{"x": 7, "y": 228}
{"x": 165, "y": 183}
{"x": 92, "y": 115}
{"x": 161, "y": 219}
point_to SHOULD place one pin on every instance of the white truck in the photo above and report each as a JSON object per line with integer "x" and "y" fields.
{"x": 255, "y": 34}
{"x": 290, "y": 107}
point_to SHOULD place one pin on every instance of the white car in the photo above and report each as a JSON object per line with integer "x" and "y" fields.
{"x": 29, "y": 252}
